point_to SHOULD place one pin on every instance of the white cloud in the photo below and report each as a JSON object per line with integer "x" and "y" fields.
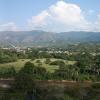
{"x": 38, "y": 21}
{"x": 60, "y": 17}
{"x": 8, "y": 27}
{"x": 97, "y": 24}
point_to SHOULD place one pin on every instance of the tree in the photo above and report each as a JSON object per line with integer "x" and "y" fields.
{"x": 28, "y": 68}
{"x": 7, "y": 72}
{"x": 11, "y": 72}
{"x": 47, "y": 61}
{"x": 38, "y": 61}
{"x": 57, "y": 62}
{"x": 40, "y": 72}
{"x": 24, "y": 79}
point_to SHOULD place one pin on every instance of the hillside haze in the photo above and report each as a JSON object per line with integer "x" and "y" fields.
{"x": 43, "y": 38}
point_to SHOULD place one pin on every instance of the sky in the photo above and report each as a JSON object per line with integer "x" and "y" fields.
{"x": 50, "y": 15}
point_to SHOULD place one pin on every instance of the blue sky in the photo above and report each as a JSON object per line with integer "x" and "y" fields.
{"x": 19, "y": 12}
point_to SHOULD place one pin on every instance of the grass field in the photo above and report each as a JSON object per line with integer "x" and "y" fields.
{"x": 20, "y": 63}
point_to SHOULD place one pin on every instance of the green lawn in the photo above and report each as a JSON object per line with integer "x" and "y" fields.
{"x": 20, "y": 63}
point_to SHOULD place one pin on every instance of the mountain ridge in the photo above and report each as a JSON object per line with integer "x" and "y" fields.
{"x": 43, "y": 38}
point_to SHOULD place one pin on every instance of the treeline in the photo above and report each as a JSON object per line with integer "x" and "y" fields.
{"x": 72, "y": 52}
{"x": 7, "y": 56}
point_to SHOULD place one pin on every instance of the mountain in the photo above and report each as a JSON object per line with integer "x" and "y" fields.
{"x": 42, "y": 38}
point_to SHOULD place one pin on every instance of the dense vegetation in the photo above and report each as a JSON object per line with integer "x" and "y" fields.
{"x": 25, "y": 87}
{"x": 7, "y": 56}
{"x": 86, "y": 64}
{"x": 86, "y": 67}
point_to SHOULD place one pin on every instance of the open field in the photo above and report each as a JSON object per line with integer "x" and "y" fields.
{"x": 20, "y": 63}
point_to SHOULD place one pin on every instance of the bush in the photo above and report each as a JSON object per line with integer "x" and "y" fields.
{"x": 7, "y": 72}
{"x": 57, "y": 62}
{"x": 38, "y": 61}
{"x": 47, "y": 61}
{"x": 96, "y": 86}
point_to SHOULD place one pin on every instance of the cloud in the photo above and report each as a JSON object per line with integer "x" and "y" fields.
{"x": 97, "y": 24}
{"x": 11, "y": 26}
{"x": 61, "y": 16}
{"x": 38, "y": 21}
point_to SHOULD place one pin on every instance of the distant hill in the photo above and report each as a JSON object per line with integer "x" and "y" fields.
{"x": 42, "y": 38}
